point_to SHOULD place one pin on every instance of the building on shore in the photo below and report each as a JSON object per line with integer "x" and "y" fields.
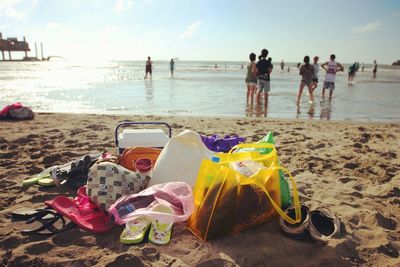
{"x": 13, "y": 45}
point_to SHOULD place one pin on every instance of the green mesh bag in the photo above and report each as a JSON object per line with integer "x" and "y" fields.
{"x": 286, "y": 199}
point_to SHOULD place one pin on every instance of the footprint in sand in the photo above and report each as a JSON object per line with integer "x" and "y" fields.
{"x": 33, "y": 169}
{"x": 98, "y": 127}
{"x": 351, "y": 165}
{"x": 125, "y": 259}
{"x": 385, "y": 222}
{"x": 357, "y": 145}
{"x": 176, "y": 126}
{"x": 151, "y": 253}
{"x": 8, "y": 155}
{"x": 389, "y": 249}
{"x": 365, "y": 138}
{"x": 389, "y": 155}
{"x": 6, "y": 257}
{"x": 39, "y": 248}
{"x": 6, "y": 202}
{"x": 76, "y": 131}
{"x": 7, "y": 184}
{"x": 51, "y": 159}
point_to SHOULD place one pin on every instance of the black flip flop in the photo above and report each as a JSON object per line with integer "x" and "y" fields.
{"x": 48, "y": 225}
{"x": 28, "y": 213}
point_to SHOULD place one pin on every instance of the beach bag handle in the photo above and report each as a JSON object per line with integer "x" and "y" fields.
{"x": 241, "y": 155}
{"x": 261, "y": 157}
{"x": 141, "y": 123}
{"x": 296, "y": 201}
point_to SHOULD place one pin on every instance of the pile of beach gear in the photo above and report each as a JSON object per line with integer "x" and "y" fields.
{"x": 16, "y": 111}
{"x": 217, "y": 185}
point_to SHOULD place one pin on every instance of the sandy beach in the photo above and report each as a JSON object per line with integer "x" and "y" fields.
{"x": 352, "y": 168}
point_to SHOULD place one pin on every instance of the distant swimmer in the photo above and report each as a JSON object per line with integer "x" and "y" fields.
{"x": 149, "y": 67}
{"x": 172, "y": 66}
{"x": 331, "y": 67}
{"x": 374, "y": 69}
{"x": 282, "y": 65}
{"x": 362, "y": 67}
{"x": 215, "y": 66}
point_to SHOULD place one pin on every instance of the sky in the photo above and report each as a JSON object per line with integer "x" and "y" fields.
{"x": 356, "y": 30}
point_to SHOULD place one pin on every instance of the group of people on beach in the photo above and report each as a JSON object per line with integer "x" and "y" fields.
{"x": 309, "y": 76}
{"x": 354, "y": 68}
{"x": 258, "y": 76}
{"x": 149, "y": 67}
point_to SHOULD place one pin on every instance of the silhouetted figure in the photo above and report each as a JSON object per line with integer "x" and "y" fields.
{"x": 374, "y": 69}
{"x": 172, "y": 66}
{"x": 149, "y": 67}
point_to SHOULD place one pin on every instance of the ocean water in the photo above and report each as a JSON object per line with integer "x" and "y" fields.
{"x": 197, "y": 89}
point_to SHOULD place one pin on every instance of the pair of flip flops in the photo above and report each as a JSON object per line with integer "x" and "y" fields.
{"x": 136, "y": 229}
{"x": 85, "y": 214}
{"x": 320, "y": 224}
{"x": 44, "y": 178}
{"x": 50, "y": 222}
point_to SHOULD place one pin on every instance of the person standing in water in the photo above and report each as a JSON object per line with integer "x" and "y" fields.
{"x": 315, "y": 74}
{"x": 374, "y": 69}
{"x": 149, "y": 67}
{"x": 282, "y": 65}
{"x": 331, "y": 67}
{"x": 251, "y": 78}
{"x": 264, "y": 68}
{"x": 172, "y": 66}
{"x": 306, "y": 72}
{"x": 352, "y": 72}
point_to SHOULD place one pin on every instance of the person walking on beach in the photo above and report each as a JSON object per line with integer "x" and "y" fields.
{"x": 331, "y": 67}
{"x": 148, "y": 67}
{"x": 251, "y": 78}
{"x": 315, "y": 74}
{"x": 374, "y": 69}
{"x": 172, "y": 66}
{"x": 264, "y": 68}
{"x": 306, "y": 72}
{"x": 282, "y": 65}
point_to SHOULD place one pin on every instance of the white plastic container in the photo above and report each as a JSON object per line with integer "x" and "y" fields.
{"x": 156, "y": 138}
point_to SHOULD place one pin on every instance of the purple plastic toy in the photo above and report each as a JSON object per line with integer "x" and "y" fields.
{"x": 221, "y": 144}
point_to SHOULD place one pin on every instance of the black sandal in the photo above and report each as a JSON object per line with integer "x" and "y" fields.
{"x": 28, "y": 213}
{"x": 48, "y": 227}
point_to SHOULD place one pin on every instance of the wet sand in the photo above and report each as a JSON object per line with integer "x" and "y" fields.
{"x": 351, "y": 168}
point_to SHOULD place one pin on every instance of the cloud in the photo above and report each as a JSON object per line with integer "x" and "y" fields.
{"x": 370, "y": 27}
{"x": 52, "y": 25}
{"x": 34, "y": 3}
{"x": 16, "y": 9}
{"x": 109, "y": 30}
{"x": 122, "y": 5}
{"x": 190, "y": 30}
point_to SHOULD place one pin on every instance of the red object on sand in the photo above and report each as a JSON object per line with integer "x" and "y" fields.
{"x": 7, "y": 108}
{"x": 82, "y": 212}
